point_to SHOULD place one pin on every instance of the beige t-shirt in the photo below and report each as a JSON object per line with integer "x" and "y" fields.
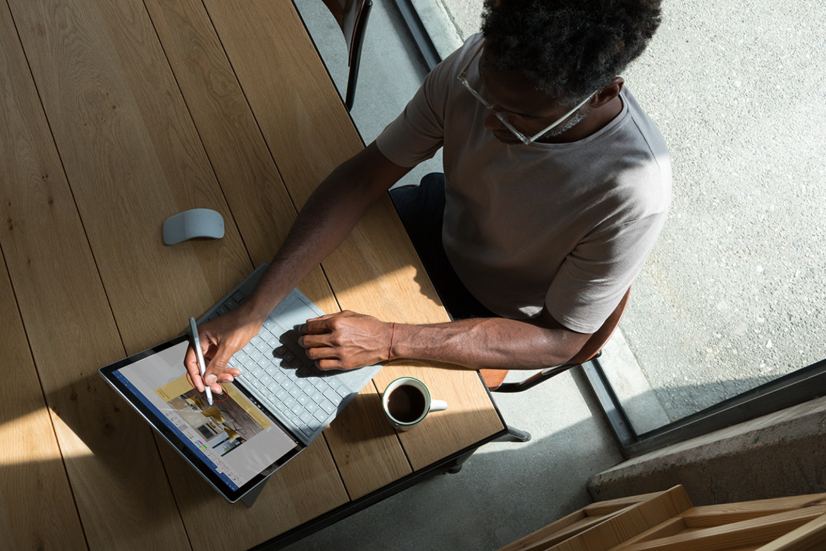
{"x": 564, "y": 226}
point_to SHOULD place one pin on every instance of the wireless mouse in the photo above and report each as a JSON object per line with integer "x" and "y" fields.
{"x": 192, "y": 224}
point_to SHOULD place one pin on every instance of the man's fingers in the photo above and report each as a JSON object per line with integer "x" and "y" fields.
{"x": 310, "y": 341}
{"x": 219, "y": 362}
{"x": 324, "y": 317}
{"x": 322, "y": 352}
{"x": 328, "y": 364}
{"x": 191, "y": 364}
{"x": 317, "y": 326}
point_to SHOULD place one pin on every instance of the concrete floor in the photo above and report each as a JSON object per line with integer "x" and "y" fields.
{"x": 505, "y": 490}
{"x": 733, "y": 295}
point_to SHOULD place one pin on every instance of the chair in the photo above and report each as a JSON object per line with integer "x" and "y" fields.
{"x": 494, "y": 378}
{"x": 351, "y": 16}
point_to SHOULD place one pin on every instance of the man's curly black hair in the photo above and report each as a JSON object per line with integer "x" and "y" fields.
{"x": 567, "y": 48}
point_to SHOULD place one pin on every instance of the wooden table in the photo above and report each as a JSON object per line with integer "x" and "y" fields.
{"x": 113, "y": 116}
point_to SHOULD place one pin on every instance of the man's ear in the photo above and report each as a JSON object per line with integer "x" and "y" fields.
{"x": 607, "y": 93}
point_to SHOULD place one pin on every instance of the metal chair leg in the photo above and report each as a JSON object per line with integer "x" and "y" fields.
{"x": 514, "y": 435}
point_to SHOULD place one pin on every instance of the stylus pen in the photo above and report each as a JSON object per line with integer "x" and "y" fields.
{"x": 193, "y": 328}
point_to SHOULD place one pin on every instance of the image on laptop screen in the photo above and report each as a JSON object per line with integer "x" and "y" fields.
{"x": 233, "y": 437}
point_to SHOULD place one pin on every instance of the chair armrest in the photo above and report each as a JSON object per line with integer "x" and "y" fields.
{"x": 537, "y": 378}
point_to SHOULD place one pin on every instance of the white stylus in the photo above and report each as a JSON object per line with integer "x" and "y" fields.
{"x": 193, "y": 328}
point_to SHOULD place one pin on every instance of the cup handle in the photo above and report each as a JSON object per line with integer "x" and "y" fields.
{"x": 438, "y": 405}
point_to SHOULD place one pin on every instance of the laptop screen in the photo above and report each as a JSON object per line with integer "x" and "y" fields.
{"x": 233, "y": 438}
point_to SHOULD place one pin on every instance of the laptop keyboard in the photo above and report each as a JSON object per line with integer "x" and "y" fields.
{"x": 294, "y": 390}
{"x": 304, "y": 401}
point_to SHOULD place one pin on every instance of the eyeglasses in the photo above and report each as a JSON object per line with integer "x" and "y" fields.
{"x": 503, "y": 115}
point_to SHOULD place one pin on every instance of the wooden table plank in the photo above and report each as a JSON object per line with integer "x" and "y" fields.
{"x": 111, "y": 459}
{"x": 375, "y": 270}
{"x": 31, "y": 467}
{"x": 133, "y": 157}
{"x": 368, "y": 454}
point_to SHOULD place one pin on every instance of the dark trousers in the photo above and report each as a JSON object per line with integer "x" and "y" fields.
{"x": 421, "y": 209}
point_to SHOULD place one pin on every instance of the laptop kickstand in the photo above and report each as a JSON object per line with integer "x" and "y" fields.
{"x": 250, "y": 497}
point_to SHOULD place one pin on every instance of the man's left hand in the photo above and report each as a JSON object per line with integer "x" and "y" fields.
{"x": 346, "y": 340}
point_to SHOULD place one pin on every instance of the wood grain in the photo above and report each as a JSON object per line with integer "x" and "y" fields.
{"x": 121, "y": 491}
{"x": 576, "y": 522}
{"x": 611, "y": 505}
{"x": 296, "y": 493}
{"x": 755, "y": 531}
{"x": 545, "y": 531}
{"x": 365, "y": 446}
{"x": 366, "y": 450}
{"x": 133, "y": 157}
{"x": 631, "y": 521}
{"x": 724, "y": 513}
{"x": 31, "y": 466}
{"x": 809, "y": 537}
{"x": 674, "y": 525}
{"x": 375, "y": 270}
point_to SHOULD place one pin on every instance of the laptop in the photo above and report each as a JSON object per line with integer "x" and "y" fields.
{"x": 267, "y": 416}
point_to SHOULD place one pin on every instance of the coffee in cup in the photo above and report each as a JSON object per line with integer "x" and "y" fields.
{"x": 406, "y": 402}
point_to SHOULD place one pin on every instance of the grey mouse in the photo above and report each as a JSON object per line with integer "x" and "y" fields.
{"x": 191, "y": 224}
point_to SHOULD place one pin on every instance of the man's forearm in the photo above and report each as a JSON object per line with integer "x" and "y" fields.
{"x": 496, "y": 343}
{"x": 329, "y": 215}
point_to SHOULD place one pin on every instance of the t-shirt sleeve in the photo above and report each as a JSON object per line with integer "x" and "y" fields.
{"x": 418, "y": 132}
{"x": 594, "y": 277}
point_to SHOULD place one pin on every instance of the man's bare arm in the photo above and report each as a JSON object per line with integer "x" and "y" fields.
{"x": 327, "y": 218}
{"x": 494, "y": 343}
{"x": 347, "y": 340}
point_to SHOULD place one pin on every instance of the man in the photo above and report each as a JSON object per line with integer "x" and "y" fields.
{"x": 555, "y": 189}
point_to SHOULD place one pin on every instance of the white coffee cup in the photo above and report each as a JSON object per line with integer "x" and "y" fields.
{"x": 406, "y": 402}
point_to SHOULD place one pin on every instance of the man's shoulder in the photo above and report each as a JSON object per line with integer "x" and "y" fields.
{"x": 640, "y": 178}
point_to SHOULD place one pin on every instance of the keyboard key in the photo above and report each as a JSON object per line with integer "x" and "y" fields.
{"x": 321, "y": 415}
{"x": 331, "y": 395}
{"x": 327, "y": 406}
{"x": 311, "y": 406}
{"x": 304, "y": 400}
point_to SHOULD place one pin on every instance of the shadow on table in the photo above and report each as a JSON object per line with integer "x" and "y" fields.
{"x": 127, "y": 461}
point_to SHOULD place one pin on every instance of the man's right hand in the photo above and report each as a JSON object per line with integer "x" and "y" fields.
{"x": 221, "y": 337}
